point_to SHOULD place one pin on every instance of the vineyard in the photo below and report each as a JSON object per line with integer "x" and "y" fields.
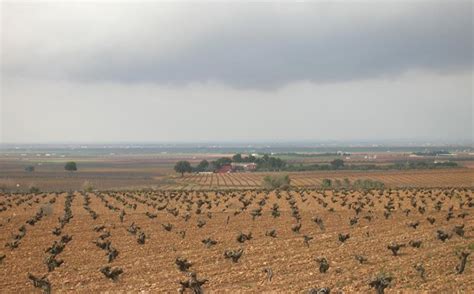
{"x": 301, "y": 240}
{"x": 426, "y": 178}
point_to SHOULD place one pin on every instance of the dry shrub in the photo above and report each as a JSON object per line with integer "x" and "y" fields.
{"x": 87, "y": 186}
{"x": 6, "y": 185}
{"x": 32, "y": 188}
{"x": 276, "y": 182}
{"x": 47, "y": 209}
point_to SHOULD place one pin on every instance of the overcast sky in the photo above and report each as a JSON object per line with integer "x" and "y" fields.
{"x": 101, "y": 71}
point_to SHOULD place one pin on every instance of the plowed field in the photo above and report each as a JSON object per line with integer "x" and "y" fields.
{"x": 169, "y": 221}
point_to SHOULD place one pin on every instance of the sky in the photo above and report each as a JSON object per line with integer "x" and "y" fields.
{"x": 105, "y": 71}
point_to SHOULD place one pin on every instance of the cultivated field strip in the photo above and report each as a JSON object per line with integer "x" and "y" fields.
{"x": 429, "y": 178}
{"x": 130, "y": 241}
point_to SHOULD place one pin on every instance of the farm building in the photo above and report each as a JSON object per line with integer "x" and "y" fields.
{"x": 245, "y": 166}
{"x": 236, "y": 167}
{"x": 225, "y": 169}
{"x": 205, "y": 172}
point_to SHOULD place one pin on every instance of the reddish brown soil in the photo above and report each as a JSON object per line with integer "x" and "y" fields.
{"x": 150, "y": 267}
{"x": 134, "y": 172}
{"x": 421, "y": 178}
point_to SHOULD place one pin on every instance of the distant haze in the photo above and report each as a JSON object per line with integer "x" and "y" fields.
{"x": 181, "y": 72}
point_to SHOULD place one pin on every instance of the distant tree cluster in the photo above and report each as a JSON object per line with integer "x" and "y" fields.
{"x": 339, "y": 164}
{"x": 30, "y": 168}
{"x": 432, "y": 153}
{"x": 183, "y": 167}
{"x": 336, "y": 164}
{"x": 70, "y": 166}
{"x": 265, "y": 163}
{"x": 238, "y": 158}
{"x": 220, "y": 162}
{"x": 270, "y": 163}
{"x": 366, "y": 184}
{"x": 424, "y": 165}
{"x": 202, "y": 166}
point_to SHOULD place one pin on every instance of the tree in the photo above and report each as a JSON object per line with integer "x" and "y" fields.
{"x": 220, "y": 162}
{"x": 237, "y": 157}
{"x": 202, "y": 166}
{"x": 327, "y": 183}
{"x": 183, "y": 167}
{"x": 70, "y": 166}
{"x": 270, "y": 163}
{"x": 30, "y": 168}
{"x": 250, "y": 158}
{"x": 337, "y": 163}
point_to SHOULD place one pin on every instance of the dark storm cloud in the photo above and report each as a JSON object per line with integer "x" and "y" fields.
{"x": 266, "y": 46}
{"x": 432, "y": 36}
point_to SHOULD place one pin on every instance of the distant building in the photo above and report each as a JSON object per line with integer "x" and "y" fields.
{"x": 225, "y": 169}
{"x": 246, "y": 166}
{"x": 236, "y": 167}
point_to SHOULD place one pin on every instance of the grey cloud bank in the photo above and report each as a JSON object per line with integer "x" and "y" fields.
{"x": 109, "y": 71}
{"x": 416, "y": 106}
{"x": 247, "y": 45}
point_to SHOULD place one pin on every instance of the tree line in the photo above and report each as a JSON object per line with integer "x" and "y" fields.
{"x": 264, "y": 163}
{"x": 271, "y": 163}
{"x": 339, "y": 164}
